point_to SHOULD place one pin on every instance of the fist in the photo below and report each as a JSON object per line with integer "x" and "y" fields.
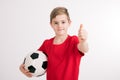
{"x": 82, "y": 33}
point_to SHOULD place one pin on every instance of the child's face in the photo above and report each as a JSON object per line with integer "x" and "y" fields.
{"x": 60, "y": 24}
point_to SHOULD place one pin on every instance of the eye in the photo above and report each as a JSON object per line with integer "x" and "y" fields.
{"x": 55, "y": 22}
{"x": 63, "y": 22}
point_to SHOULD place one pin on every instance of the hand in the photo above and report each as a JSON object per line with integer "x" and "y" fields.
{"x": 24, "y": 71}
{"x": 82, "y": 34}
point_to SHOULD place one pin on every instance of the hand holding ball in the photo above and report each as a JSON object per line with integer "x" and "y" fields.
{"x": 36, "y": 63}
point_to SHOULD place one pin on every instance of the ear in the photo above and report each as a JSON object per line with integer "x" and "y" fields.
{"x": 69, "y": 22}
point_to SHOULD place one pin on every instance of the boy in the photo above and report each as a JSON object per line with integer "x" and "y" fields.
{"x": 64, "y": 51}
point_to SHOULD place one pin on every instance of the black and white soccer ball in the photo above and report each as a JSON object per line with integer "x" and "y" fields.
{"x": 36, "y": 63}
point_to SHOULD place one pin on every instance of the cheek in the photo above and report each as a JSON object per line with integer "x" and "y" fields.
{"x": 67, "y": 26}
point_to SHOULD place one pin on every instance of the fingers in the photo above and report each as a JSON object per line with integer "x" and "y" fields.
{"x": 24, "y": 71}
{"x": 22, "y": 68}
{"x": 28, "y": 74}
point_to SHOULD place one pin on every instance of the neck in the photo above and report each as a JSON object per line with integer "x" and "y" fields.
{"x": 60, "y": 39}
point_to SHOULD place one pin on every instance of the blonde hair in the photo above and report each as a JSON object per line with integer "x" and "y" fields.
{"x": 59, "y": 11}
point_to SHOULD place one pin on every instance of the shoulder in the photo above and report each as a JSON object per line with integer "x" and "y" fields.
{"x": 73, "y": 38}
{"x": 45, "y": 44}
{"x": 48, "y": 41}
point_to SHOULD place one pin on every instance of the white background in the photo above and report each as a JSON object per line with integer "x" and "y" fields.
{"x": 24, "y": 25}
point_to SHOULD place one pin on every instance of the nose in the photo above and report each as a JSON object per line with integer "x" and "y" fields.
{"x": 59, "y": 25}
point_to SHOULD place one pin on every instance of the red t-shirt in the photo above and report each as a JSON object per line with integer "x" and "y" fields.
{"x": 63, "y": 59}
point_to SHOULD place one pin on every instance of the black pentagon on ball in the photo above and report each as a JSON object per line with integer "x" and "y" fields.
{"x": 31, "y": 69}
{"x": 44, "y": 65}
{"x": 34, "y": 55}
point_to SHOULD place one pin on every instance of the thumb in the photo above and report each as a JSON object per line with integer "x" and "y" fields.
{"x": 81, "y": 27}
{"x": 79, "y": 33}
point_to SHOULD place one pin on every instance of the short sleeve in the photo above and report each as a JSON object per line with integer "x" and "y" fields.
{"x": 42, "y": 47}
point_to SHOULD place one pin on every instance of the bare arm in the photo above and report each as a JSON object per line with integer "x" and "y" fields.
{"x": 82, "y": 36}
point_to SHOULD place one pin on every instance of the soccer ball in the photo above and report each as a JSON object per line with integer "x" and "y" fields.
{"x": 36, "y": 63}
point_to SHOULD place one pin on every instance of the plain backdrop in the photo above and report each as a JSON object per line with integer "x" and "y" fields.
{"x": 24, "y": 25}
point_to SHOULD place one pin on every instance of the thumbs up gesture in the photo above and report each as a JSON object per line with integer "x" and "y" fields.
{"x": 82, "y": 33}
{"x": 82, "y": 36}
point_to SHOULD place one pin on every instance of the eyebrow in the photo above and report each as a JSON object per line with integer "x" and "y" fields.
{"x": 60, "y": 20}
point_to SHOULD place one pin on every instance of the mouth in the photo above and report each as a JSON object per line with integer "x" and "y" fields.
{"x": 60, "y": 29}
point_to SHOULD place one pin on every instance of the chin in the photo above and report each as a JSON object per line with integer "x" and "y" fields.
{"x": 61, "y": 34}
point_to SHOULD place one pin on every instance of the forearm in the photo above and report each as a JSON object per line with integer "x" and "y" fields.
{"x": 83, "y": 46}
